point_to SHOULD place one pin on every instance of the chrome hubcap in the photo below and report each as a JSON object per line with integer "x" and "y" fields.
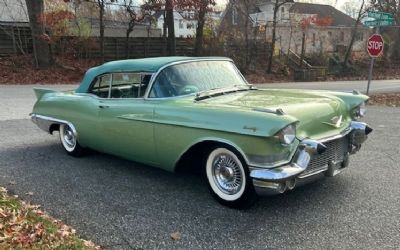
{"x": 69, "y": 137}
{"x": 227, "y": 174}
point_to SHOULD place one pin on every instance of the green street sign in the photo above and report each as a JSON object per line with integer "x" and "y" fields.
{"x": 380, "y": 15}
{"x": 379, "y": 23}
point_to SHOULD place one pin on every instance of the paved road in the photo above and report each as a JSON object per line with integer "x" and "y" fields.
{"x": 11, "y": 96}
{"x": 125, "y": 205}
{"x": 379, "y": 86}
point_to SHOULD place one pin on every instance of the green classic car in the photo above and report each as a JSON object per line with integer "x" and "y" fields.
{"x": 181, "y": 113}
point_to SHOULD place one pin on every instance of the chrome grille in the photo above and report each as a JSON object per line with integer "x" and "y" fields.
{"x": 335, "y": 152}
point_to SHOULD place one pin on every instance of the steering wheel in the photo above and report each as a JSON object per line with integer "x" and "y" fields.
{"x": 188, "y": 89}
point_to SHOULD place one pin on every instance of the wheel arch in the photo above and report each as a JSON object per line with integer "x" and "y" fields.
{"x": 197, "y": 151}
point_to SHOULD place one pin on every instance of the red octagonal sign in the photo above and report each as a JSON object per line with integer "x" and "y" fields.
{"x": 375, "y": 45}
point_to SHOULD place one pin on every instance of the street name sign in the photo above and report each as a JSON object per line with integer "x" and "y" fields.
{"x": 380, "y": 15}
{"x": 375, "y": 45}
{"x": 379, "y": 23}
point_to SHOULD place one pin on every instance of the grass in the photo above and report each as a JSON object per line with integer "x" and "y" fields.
{"x": 24, "y": 226}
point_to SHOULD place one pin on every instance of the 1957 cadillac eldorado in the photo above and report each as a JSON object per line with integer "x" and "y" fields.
{"x": 182, "y": 112}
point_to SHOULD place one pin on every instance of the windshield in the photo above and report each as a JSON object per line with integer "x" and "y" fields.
{"x": 193, "y": 77}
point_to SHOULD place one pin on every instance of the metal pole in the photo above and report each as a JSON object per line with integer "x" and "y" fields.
{"x": 371, "y": 67}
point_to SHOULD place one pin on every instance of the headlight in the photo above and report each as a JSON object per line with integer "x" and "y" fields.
{"x": 361, "y": 110}
{"x": 287, "y": 135}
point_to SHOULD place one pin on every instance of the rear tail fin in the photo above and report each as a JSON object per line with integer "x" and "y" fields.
{"x": 40, "y": 92}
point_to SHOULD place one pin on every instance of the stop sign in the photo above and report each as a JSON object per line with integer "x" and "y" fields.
{"x": 375, "y": 45}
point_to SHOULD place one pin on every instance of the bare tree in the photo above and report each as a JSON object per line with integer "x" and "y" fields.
{"x": 169, "y": 19}
{"x": 201, "y": 7}
{"x": 360, "y": 15}
{"x": 277, "y": 5}
{"x": 135, "y": 15}
{"x": 41, "y": 50}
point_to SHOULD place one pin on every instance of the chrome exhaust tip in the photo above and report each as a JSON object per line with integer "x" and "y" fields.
{"x": 269, "y": 188}
{"x": 291, "y": 184}
{"x": 281, "y": 187}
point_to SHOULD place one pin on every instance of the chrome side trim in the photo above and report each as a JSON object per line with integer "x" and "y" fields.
{"x": 44, "y": 122}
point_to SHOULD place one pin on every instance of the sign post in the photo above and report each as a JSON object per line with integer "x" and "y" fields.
{"x": 376, "y": 43}
{"x": 375, "y": 48}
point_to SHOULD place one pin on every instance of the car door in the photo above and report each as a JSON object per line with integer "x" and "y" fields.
{"x": 126, "y": 119}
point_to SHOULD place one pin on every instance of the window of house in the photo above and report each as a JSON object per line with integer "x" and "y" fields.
{"x": 181, "y": 24}
{"x": 330, "y": 33}
{"x": 360, "y": 36}
{"x": 342, "y": 36}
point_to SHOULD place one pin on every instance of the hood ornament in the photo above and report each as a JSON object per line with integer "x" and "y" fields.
{"x": 337, "y": 121}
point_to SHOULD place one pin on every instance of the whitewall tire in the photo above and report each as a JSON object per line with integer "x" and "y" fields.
{"x": 228, "y": 178}
{"x": 69, "y": 140}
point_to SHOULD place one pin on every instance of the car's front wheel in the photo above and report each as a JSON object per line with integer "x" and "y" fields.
{"x": 69, "y": 141}
{"x": 228, "y": 178}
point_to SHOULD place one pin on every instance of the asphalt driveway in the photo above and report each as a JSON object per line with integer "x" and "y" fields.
{"x": 124, "y": 205}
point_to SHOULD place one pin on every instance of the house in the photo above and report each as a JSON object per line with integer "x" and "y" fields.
{"x": 114, "y": 28}
{"x": 332, "y": 37}
{"x": 13, "y": 11}
{"x": 185, "y": 22}
{"x": 15, "y": 35}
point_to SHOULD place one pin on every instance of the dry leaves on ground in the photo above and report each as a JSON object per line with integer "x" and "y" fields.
{"x": 391, "y": 100}
{"x": 24, "y": 226}
{"x": 176, "y": 236}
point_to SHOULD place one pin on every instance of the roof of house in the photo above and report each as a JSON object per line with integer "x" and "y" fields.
{"x": 339, "y": 18}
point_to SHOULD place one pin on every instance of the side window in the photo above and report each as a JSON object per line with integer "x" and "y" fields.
{"x": 164, "y": 85}
{"x": 101, "y": 86}
{"x": 129, "y": 85}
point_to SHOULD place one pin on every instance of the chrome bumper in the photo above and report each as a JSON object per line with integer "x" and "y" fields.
{"x": 279, "y": 180}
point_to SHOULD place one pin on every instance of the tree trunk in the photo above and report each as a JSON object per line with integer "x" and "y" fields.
{"x": 303, "y": 49}
{"x": 396, "y": 52}
{"x": 127, "y": 34}
{"x": 171, "y": 27}
{"x": 165, "y": 41}
{"x": 353, "y": 36}
{"x": 271, "y": 54}
{"x": 198, "y": 50}
{"x": 101, "y": 20}
{"x": 247, "y": 41}
{"x": 41, "y": 50}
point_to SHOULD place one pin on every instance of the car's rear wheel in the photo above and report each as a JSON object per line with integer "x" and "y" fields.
{"x": 228, "y": 178}
{"x": 69, "y": 141}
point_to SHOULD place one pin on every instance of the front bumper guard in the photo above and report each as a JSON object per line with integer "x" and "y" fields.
{"x": 283, "y": 178}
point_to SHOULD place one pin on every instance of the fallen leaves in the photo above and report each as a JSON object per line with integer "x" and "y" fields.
{"x": 25, "y": 226}
{"x": 19, "y": 70}
{"x": 391, "y": 100}
{"x": 176, "y": 236}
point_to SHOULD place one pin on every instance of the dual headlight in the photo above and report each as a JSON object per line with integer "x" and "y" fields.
{"x": 287, "y": 135}
{"x": 360, "y": 110}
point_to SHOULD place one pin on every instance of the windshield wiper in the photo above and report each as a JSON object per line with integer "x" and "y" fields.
{"x": 222, "y": 91}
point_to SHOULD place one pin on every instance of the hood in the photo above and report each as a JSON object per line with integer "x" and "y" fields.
{"x": 319, "y": 114}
